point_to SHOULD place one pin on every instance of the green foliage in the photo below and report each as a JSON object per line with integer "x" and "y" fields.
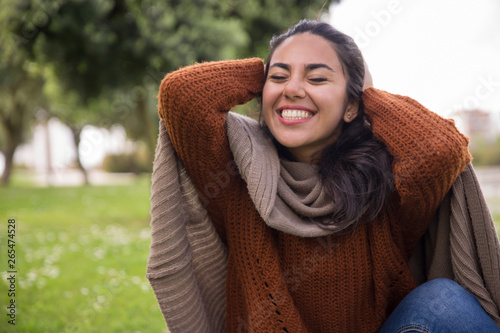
{"x": 187, "y": 31}
{"x": 81, "y": 259}
{"x": 20, "y": 83}
{"x": 485, "y": 152}
{"x": 136, "y": 162}
{"x": 21, "y": 96}
{"x": 94, "y": 47}
{"x": 265, "y": 18}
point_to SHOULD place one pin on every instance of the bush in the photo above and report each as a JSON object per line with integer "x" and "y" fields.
{"x": 485, "y": 152}
{"x": 137, "y": 162}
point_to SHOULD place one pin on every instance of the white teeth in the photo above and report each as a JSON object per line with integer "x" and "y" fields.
{"x": 295, "y": 114}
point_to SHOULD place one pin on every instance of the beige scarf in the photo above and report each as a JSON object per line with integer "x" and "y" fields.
{"x": 187, "y": 261}
{"x": 288, "y": 195}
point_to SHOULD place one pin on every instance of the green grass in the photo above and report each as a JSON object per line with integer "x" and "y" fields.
{"x": 81, "y": 257}
{"x": 496, "y": 219}
{"x": 494, "y": 205}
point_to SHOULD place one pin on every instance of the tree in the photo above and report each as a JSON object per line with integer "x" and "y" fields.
{"x": 265, "y": 18}
{"x": 20, "y": 96}
{"x": 90, "y": 52}
{"x": 20, "y": 91}
{"x": 103, "y": 60}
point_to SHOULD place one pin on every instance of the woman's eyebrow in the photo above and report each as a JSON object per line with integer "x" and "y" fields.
{"x": 281, "y": 65}
{"x": 308, "y": 67}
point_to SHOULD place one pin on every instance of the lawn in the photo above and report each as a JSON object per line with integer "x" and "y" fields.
{"x": 81, "y": 257}
{"x": 494, "y": 204}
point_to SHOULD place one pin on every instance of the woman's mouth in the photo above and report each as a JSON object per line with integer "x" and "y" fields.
{"x": 291, "y": 114}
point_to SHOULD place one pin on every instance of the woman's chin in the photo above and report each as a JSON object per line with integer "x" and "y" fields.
{"x": 291, "y": 143}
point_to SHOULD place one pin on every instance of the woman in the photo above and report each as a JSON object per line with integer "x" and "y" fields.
{"x": 330, "y": 196}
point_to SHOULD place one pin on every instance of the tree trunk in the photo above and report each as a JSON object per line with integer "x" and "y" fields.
{"x": 14, "y": 134}
{"x": 48, "y": 152}
{"x": 43, "y": 117}
{"x": 76, "y": 140}
{"x": 9, "y": 160}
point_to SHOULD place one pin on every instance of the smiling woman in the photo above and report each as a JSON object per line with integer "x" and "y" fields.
{"x": 333, "y": 190}
{"x": 314, "y": 84}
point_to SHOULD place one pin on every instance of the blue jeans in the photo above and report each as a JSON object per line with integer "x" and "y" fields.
{"x": 439, "y": 305}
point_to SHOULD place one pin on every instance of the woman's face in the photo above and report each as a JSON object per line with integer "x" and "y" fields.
{"x": 304, "y": 99}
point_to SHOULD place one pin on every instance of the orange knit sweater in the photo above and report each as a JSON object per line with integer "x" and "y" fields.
{"x": 277, "y": 282}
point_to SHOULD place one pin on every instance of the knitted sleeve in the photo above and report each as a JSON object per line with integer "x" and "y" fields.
{"x": 429, "y": 154}
{"x": 193, "y": 102}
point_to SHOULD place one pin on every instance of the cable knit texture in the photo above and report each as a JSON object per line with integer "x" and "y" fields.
{"x": 288, "y": 195}
{"x": 278, "y": 281}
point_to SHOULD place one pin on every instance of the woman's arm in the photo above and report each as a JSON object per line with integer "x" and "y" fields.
{"x": 193, "y": 102}
{"x": 429, "y": 153}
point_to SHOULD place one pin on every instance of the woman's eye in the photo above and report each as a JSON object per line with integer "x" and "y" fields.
{"x": 317, "y": 79}
{"x": 277, "y": 77}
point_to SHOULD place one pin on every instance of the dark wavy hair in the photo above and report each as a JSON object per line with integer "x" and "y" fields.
{"x": 356, "y": 169}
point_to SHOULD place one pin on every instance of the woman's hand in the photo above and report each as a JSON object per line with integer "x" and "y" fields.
{"x": 367, "y": 80}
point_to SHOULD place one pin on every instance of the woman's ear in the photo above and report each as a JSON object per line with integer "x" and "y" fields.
{"x": 351, "y": 111}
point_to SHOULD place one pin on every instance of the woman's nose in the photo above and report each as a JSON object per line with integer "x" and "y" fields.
{"x": 294, "y": 88}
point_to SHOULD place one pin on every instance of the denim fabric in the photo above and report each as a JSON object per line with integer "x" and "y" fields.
{"x": 439, "y": 305}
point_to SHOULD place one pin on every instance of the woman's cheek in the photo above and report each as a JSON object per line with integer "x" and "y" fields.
{"x": 267, "y": 103}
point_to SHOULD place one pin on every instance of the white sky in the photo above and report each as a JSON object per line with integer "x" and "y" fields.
{"x": 443, "y": 53}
